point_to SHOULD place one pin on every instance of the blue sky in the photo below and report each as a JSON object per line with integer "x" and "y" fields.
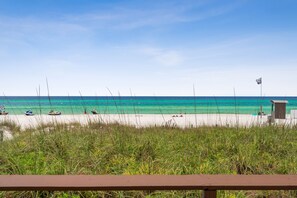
{"x": 148, "y": 47}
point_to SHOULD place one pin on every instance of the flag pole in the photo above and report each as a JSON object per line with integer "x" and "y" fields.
{"x": 259, "y": 82}
{"x": 261, "y": 108}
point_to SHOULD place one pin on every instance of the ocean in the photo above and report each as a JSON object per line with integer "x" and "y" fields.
{"x": 142, "y": 105}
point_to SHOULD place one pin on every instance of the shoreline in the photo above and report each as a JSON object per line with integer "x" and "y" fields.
{"x": 148, "y": 120}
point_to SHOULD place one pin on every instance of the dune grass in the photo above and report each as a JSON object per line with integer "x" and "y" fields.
{"x": 98, "y": 148}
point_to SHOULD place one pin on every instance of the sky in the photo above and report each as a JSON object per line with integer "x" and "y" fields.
{"x": 148, "y": 47}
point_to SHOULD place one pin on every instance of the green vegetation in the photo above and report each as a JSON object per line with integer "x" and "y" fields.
{"x": 114, "y": 149}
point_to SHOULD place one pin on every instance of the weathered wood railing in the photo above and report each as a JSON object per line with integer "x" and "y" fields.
{"x": 208, "y": 183}
{"x": 1, "y": 135}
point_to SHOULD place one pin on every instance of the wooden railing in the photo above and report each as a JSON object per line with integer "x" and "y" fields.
{"x": 208, "y": 183}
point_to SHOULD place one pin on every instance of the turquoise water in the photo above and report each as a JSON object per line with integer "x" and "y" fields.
{"x": 142, "y": 105}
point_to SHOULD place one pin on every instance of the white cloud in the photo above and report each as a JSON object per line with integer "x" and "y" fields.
{"x": 157, "y": 14}
{"x": 164, "y": 57}
{"x": 22, "y": 26}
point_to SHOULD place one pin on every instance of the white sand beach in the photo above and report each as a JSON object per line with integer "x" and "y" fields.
{"x": 146, "y": 120}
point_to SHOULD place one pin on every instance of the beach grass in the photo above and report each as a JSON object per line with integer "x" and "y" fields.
{"x": 98, "y": 148}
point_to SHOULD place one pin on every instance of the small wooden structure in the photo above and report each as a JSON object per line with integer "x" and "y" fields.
{"x": 278, "y": 109}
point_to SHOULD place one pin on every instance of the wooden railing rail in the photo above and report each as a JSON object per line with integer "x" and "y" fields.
{"x": 208, "y": 183}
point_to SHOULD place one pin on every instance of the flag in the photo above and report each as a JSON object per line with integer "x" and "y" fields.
{"x": 259, "y": 81}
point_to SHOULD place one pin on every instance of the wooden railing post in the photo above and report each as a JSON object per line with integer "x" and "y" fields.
{"x": 209, "y": 194}
{"x": 1, "y": 135}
